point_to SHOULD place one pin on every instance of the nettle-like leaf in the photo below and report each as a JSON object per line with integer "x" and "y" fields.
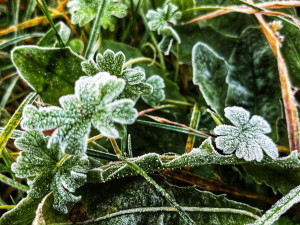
{"x": 113, "y": 63}
{"x": 160, "y": 21}
{"x": 247, "y": 137}
{"x": 92, "y": 104}
{"x": 48, "y": 170}
{"x": 158, "y": 93}
{"x": 83, "y": 11}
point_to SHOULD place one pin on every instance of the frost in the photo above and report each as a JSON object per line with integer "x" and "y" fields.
{"x": 93, "y": 104}
{"x": 46, "y": 171}
{"x": 160, "y": 21}
{"x": 113, "y": 63}
{"x": 247, "y": 137}
{"x": 83, "y": 11}
{"x": 158, "y": 93}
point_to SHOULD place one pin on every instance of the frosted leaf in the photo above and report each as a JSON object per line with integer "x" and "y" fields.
{"x": 113, "y": 63}
{"x": 159, "y": 21}
{"x": 94, "y": 102}
{"x": 158, "y": 93}
{"x": 247, "y": 137}
{"x": 83, "y": 11}
{"x": 39, "y": 163}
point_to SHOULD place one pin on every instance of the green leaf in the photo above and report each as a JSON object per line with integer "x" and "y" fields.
{"x": 137, "y": 202}
{"x": 158, "y": 93}
{"x": 83, "y": 11}
{"x": 47, "y": 169}
{"x": 280, "y": 207}
{"x": 247, "y": 137}
{"x": 14, "y": 40}
{"x": 113, "y": 63}
{"x": 279, "y": 179}
{"x": 23, "y": 213}
{"x": 92, "y": 104}
{"x": 210, "y": 72}
{"x": 291, "y": 50}
{"x": 253, "y": 81}
{"x": 204, "y": 155}
{"x": 52, "y": 72}
{"x": 50, "y": 38}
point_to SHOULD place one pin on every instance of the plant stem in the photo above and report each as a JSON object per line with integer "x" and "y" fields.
{"x": 95, "y": 138}
{"x": 176, "y": 102}
{"x": 141, "y": 59}
{"x": 160, "y": 55}
{"x": 62, "y": 160}
{"x": 13, "y": 183}
{"x": 96, "y": 29}
{"x": 163, "y": 192}
{"x": 195, "y": 119}
{"x": 7, "y": 206}
{"x": 156, "y": 108}
{"x": 115, "y": 146}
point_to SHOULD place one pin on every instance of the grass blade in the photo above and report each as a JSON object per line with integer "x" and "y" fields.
{"x": 14, "y": 121}
{"x": 13, "y": 183}
{"x": 96, "y": 29}
{"x": 9, "y": 42}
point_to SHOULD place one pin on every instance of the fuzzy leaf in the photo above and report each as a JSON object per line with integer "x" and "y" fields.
{"x": 137, "y": 202}
{"x": 46, "y": 172}
{"x": 92, "y": 103}
{"x": 210, "y": 72}
{"x": 247, "y": 137}
{"x": 158, "y": 93}
{"x": 52, "y": 72}
{"x": 280, "y": 207}
{"x": 83, "y": 11}
{"x": 113, "y": 63}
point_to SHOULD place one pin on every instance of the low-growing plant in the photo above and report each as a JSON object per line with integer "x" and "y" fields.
{"x": 148, "y": 112}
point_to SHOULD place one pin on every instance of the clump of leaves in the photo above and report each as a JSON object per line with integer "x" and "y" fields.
{"x": 247, "y": 137}
{"x": 162, "y": 21}
{"x": 48, "y": 169}
{"x": 113, "y": 63}
{"x": 94, "y": 103}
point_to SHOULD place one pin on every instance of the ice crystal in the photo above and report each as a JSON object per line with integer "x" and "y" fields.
{"x": 247, "y": 137}
{"x": 158, "y": 93}
{"x": 48, "y": 170}
{"x": 161, "y": 20}
{"x": 113, "y": 63}
{"x": 83, "y": 11}
{"x": 92, "y": 104}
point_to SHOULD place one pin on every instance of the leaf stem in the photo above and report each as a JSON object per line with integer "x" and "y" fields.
{"x": 95, "y": 138}
{"x": 156, "y": 108}
{"x": 176, "y": 102}
{"x": 140, "y": 59}
{"x": 13, "y": 183}
{"x": 7, "y": 206}
{"x": 163, "y": 192}
{"x": 62, "y": 160}
{"x": 96, "y": 29}
{"x": 115, "y": 146}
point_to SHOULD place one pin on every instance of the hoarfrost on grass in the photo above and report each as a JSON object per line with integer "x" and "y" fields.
{"x": 94, "y": 103}
{"x": 247, "y": 137}
{"x": 47, "y": 170}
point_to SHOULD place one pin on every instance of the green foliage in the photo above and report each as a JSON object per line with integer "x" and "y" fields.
{"x": 83, "y": 11}
{"x": 247, "y": 137}
{"x": 113, "y": 63}
{"x": 92, "y": 104}
{"x": 158, "y": 93}
{"x": 136, "y": 202}
{"x": 47, "y": 169}
{"x": 51, "y": 72}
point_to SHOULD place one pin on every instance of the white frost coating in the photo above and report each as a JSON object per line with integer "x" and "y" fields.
{"x": 158, "y": 93}
{"x": 93, "y": 103}
{"x": 113, "y": 63}
{"x": 280, "y": 207}
{"x": 247, "y": 138}
{"x": 48, "y": 170}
